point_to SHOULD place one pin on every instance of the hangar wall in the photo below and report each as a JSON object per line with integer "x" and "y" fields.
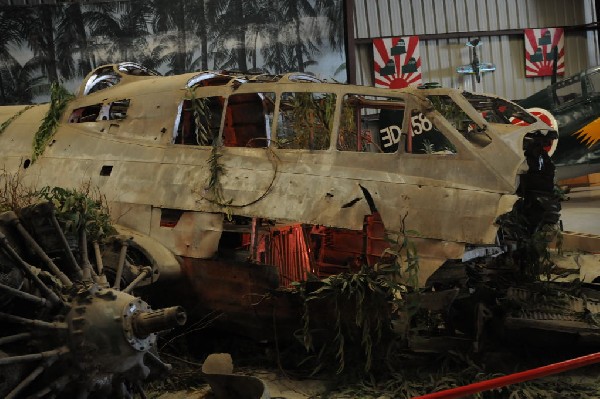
{"x": 443, "y": 27}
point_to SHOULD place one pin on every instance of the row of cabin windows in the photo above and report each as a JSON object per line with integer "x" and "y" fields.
{"x": 305, "y": 121}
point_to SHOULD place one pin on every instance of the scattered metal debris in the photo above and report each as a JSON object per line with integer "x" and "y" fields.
{"x": 218, "y": 371}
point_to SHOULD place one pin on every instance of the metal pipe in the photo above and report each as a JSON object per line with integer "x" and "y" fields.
{"x": 143, "y": 274}
{"x": 515, "y": 378}
{"x": 158, "y": 362}
{"x": 26, "y": 268}
{"x": 14, "y": 219}
{"x": 145, "y": 323}
{"x": 32, "y": 322}
{"x": 55, "y": 386}
{"x": 31, "y": 377}
{"x": 254, "y": 240}
{"x": 24, "y": 295}
{"x": 85, "y": 261}
{"x": 14, "y": 338}
{"x": 34, "y": 356}
{"x": 98, "y": 256}
{"x": 117, "y": 283}
{"x": 63, "y": 239}
{"x": 140, "y": 390}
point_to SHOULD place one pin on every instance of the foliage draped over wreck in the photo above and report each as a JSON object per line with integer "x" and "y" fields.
{"x": 361, "y": 307}
{"x": 59, "y": 99}
{"x": 6, "y": 123}
{"x": 80, "y": 209}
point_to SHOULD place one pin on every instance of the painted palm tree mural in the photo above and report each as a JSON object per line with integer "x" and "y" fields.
{"x": 48, "y": 43}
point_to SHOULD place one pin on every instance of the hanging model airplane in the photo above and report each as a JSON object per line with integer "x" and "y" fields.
{"x": 476, "y": 67}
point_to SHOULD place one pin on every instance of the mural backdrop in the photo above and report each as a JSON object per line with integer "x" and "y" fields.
{"x": 47, "y": 43}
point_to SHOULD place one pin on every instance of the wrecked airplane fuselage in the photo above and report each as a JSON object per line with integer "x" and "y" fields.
{"x": 256, "y": 181}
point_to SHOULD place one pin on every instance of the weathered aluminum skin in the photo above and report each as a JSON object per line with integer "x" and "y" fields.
{"x": 451, "y": 198}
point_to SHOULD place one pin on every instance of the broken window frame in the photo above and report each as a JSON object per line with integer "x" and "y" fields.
{"x": 224, "y": 87}
{"x": 309, "y": 89}
{"x": 464, "y": 149}
{"x": 479, "y": 136}
{"x": 436, "y": 128}
{"x": 267, "y": 120}
{"x": 206, "y": 136}
{"x": 197, "y": 91}
{"x": 505, "y": 117}
{"x": 568, "y": 90}
{"x": 372, "y": 102}
{"x": 115, "y": 110}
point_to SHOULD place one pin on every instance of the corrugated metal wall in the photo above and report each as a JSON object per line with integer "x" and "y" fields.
{"x": 440, "y": 57}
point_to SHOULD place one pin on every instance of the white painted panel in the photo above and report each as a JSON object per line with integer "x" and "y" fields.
{"x": 408, "y": 26}
{"x": 373, "y": 21}
{"x": 589, "y": 11}
{"x": 504, "y": 17}
{"x": 461, "y": 15}
{"x": 398, "y": 20}
{"x": 482, "y": 15}
{"x": 530, "y": 14}
{"x": 450, "y": 12}
{"x": 521, "y": 14}
{"x": 492, "y": 9}
{"x": 428, "y": 17}
{"x": 418, "y": 19}
{"x": 361, "y": 22}
{"x": 383, "y": 11}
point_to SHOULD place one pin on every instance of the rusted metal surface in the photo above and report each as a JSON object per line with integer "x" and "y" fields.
{"x": 450, "y": 198}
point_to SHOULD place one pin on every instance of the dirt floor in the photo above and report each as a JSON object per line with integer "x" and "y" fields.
{"x": 186, "y": 382}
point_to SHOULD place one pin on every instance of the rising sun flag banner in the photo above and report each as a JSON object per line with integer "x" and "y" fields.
{"x": 541, "y": 46}
{"x": 397, "y": 62}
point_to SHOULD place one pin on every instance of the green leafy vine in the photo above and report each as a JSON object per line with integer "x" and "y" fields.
{"x": 214, "y": 188}
{"x": 59, "y": 99}
{"x": 7, "y": 122}
{"x": 76, "y": 210}
{"x": 202, "y": 114}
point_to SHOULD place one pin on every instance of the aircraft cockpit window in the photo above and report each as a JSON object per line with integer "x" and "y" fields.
{"x": 492, "y": 109}
{"x": 497, "y": 110}
{"x": 115, "y": 110}
{"x": 102, "y": 79}
{"x": 426, "y": 137}
{"x": 568, "y": 90}
{"x": 248, "y": 120}
{"x": 594, "y": 82}
{"x": 370, "y": 124}
{"x": 131, "y": 68}
{"x": 305, "y": 120}
{"x": 198, "y": 121}
{"x": 85, "y": 114}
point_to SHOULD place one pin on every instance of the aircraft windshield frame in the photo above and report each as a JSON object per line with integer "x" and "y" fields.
{"x": 498, "y": 110}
